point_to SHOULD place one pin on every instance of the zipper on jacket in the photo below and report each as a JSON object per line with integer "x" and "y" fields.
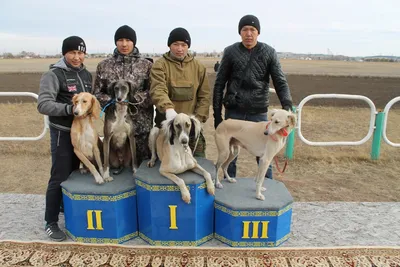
{"x": 83, "y": 86}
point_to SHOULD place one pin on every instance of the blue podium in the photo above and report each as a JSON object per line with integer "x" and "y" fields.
{"x": 105, "y": 213}
{"x": 164, "y": 218}
{"x": 241, "y": 220}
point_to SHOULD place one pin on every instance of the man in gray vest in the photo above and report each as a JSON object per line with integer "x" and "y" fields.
{"x": 57, "y": 87}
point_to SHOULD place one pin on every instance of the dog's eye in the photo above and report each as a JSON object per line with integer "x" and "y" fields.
{"x": 187, "y": 125}
{"x": 178, "y": 126}
{"x": 84, "y": 101}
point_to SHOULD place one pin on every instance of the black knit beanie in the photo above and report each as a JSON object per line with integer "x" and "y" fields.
{"x": 249, "y": 20}
{"x": 125, "y": 32}
{"x": 73, "y": 43}
{"x": 179, "y": 34}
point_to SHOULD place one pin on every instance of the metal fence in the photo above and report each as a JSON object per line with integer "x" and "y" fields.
{"x": 377, "y": 124}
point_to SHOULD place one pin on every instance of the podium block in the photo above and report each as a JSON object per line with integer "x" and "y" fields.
{"x": 241, "y": 220}
{"x": 103, "y": 213}
{"x": 164, "y": 218}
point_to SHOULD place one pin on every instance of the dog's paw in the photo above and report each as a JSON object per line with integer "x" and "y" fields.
{"x": 186, "y": 197}
{"x": 99, "y": 179}
{"x": 211, "y": 189}
{"x": 231, "y": 180}
{"x": 263, "y": 189}
{"x": 151, "y": 163}
{"x": 108, "y": 179}
{"x": 134, "y": 170}
{"x": 219, "y": 185}
{"x": 83, "y": 171}
{"x": 260, "y": 197}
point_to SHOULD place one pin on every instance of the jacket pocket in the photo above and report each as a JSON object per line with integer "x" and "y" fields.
{"x": 181, "y": 91}
{"x": 230, "y": 101}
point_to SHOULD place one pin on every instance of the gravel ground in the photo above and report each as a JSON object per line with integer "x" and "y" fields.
{"x": 314, "y": 224}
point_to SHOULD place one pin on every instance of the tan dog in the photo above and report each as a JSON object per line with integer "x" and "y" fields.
{"x": 84, "y": 137}
{"x": 171, "y": 144}
{"x": 261, "y": 139}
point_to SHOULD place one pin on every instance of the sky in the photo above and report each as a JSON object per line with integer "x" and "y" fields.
{"x": 340, "y": 27}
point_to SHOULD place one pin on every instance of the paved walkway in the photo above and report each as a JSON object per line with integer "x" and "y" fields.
{"x": 314, "y": 224}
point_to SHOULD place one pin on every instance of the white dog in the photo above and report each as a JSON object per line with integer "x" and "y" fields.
{"x": 261, "y": 139}
{"x": 171, "y": 144}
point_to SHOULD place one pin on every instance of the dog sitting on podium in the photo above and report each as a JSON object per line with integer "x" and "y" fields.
{"x": 171, "y": 145}
{"x": 262, "y": 139}
{"x": 84, "y": 138}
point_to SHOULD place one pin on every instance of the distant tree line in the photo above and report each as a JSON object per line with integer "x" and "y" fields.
{"x": 214, "y": 54}
{"x": 377, "y": 59}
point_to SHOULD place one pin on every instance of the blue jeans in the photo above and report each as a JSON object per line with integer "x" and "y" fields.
{"x": 237, "y": 115}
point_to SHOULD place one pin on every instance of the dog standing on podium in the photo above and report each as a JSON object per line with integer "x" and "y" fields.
{"x": 261, "y": 139}
{"x": 171, "y": 145}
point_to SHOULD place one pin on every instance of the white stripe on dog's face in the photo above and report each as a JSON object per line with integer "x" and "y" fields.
{"x": 182, "y": 126}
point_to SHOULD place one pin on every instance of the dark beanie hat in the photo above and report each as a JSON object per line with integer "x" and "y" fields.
{"x": 179, "y": 34}
{"x": 249, "y": 20}
{"x": 73, "y": 43}
{"x": 125, "y": 32}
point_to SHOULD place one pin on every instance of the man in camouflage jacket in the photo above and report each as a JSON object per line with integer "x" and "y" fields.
{"x": 126, "y": 63}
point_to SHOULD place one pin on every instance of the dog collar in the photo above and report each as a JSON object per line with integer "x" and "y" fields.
{"x": 112, "y": 101}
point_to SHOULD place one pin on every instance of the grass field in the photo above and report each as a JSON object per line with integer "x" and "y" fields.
{"x": 290, "y": 66}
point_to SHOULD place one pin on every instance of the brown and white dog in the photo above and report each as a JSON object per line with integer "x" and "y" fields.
{"x": 171, "y": 144}
{"x": 261, "y": 139}
{"x": 84, "y": 137}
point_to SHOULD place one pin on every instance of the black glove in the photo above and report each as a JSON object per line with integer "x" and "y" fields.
{"x": 287, "y": 108}
{"x": 217, "y": 118}
{"x": 69, "y": 109}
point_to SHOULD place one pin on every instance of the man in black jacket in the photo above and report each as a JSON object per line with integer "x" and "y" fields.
{"x": 245, "y": 70}
{"x": 57, "y": 87}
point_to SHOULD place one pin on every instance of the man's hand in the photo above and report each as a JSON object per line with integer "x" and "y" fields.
{"x": 217, "y": 118}
{"x": 217, "y": 121}
{"x": 69, "y": 109}
{"x": 287, "y": 108}
{"x": 170, "y": 114}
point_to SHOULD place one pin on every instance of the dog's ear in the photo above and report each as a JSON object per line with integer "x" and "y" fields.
{"x": 132, "y": 91}
{"x": 292, "y": 120}
{"x": 95, "y": 109}
{"x": 195, "y": 128}
{"x": 110, "y": 89}
{"x": 171, "y": 131}
{"x": 74, "y": 98}
{"x": 272, "y": 113}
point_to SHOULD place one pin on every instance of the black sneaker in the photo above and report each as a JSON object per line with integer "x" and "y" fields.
{"x": 54, "y": 232}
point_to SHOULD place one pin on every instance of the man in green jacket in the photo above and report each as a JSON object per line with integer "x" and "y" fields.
{"x": 179, "y": 84}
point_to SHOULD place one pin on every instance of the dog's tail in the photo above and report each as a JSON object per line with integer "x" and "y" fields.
{"x": 155, "y": 131}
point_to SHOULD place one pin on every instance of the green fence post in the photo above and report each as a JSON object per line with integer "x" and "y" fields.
{"x": 376, "y": 141}
{"x": 290, "y": 142}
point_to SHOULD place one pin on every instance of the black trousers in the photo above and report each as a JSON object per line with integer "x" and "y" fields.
{"x": 64, "y": 161}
